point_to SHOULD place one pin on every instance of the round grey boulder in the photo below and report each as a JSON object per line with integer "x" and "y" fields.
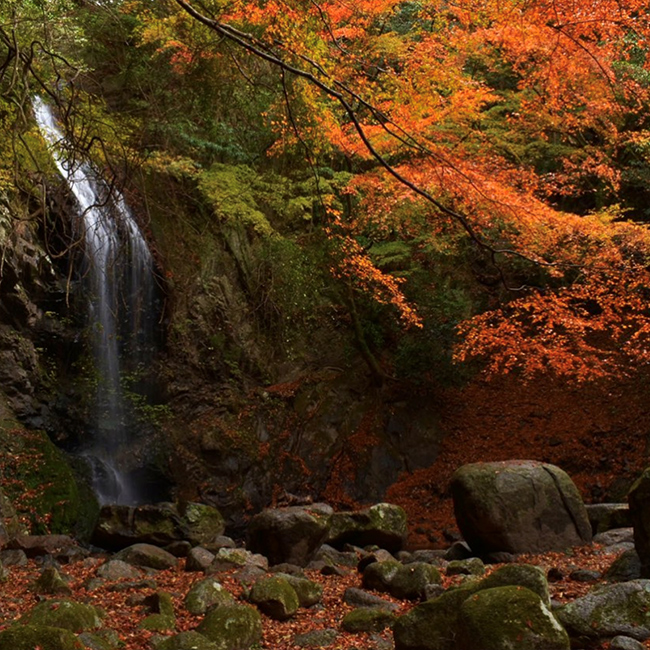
{"x": 518, "y": 507}
{"x": 291, "y": 535}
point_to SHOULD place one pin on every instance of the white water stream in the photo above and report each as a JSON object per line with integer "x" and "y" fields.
{"x": 120, "y": 285}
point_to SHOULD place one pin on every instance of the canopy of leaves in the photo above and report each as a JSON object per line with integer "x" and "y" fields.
{"x": 510, "y": 137}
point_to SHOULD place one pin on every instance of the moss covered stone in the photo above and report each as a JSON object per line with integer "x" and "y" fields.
{"x": 309, "y": 592}
{"x": 523, "y": 575}
{"x": 204, "y": 523}
{"x": 383, "y": 524}
{"x": 379, "y": 575}
{"x": 232, "y": 627}
{"x": 147, "y": 555}
{"x": 411, "y": 580}
{"x": 518, "y": 507}
{"x": 101, "y": 640}
{"x": 275, "y": 597}
{"x": 472, "y": 566}
{"x": 316, "y": 638}
{"x": 162, "y": 619}
{"x": 367, "y": 619}
{"x": 609, "y": 610}
{"x": 508, "y": 618}
{"x": 51, "y": 582}
{"x": 159, "y": 524}
{"x": 43, "y": 485}
{"x": 205, "y": 594}
{"x": 66, "y": 614}
{"x": 433, "y": 624}
{"x": 158, "y": 623}
{"x": 28, "y": 637}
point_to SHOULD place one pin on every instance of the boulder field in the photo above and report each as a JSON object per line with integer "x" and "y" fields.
{"x": 309, "y": 577}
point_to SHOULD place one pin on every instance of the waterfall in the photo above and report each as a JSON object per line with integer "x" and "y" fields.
{"x": 119, "y": 278}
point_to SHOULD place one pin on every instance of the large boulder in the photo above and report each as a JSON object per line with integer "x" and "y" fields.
{"x": 147, "y": 555}
{"x": 384, "y": 525}
{"x": 160, "y": 524}
{"x": 518, "y": 507}
{"x": 291, "y": 535}
{"x": 622, "y": 608}
{"x": 468, "y": 618}
{"x": 433, "y": 625}
{"x": 504, "y": 618}
{"x": 639, "y": 500}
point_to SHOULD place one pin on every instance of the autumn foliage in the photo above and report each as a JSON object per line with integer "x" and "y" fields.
{"x": 517, "y": 131}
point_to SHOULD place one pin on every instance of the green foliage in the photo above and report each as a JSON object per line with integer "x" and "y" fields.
{"x": 227, "y": 189}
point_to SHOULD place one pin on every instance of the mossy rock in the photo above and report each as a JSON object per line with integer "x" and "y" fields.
{"x": 309, "y": 592}
{"x": 411, "y": 580}
{"x": 66, "y": 614}
{"x": 204, "y": 523}
{"x": 379, "y": 575}
{"x": 147, "y": 555}
{"x": 433, "y": 624}
{"x": 51, "y": 582}
{"x": 158, "y": 623}
{"x": 28, "y": 637}
{"x": 58, "y": 502}
{"x": 367, "y": 619}
{"x": 205, "y": 594}
{"x": 505, "y": 618}
{"x": 275, "y": 597}
{"x": 186, "y": 641}
{"x": 607, "y": 611}
{"x": 383, "y": 524}
{"x": 522, "y": 575}
{"x": 232, "y": 627}
{"x": 101, "y": 640}
{"x": 159, "y": 524}
{"x": 472, "y": 566}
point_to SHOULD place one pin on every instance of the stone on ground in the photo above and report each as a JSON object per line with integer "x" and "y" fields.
{"x": 518, "y": 507}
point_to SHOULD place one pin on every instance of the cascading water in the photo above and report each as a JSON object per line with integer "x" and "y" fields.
{"x": 119, "y": 275}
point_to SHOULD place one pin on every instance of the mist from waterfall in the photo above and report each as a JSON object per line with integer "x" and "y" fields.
{"x": 119, "y": 280}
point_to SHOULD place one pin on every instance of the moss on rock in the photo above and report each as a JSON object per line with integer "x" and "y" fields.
{"x": 206, "y": 593}
{"x": 309, "y": 592}
{"x": 433, "y": 624}
{"x": 28, "y": 637}
{"x": 508, "y": 618}
{"x": 232, "y": 627}
{"x": 367, "y": 619}
{"x": 411, "y": 580}
{"x": 44, "y": 489}
{"x": 275, "y": 597}
{"x": 66, "y": 614}
{"x": 523, "y": 575}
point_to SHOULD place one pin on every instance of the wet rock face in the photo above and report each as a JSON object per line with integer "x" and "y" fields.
{"x": 27, "y": 284}
{"x": 518, "y": 507}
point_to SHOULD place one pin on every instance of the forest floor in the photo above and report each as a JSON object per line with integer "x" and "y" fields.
{"x": 122, "y": 601}
{"x": 597, "y": 433}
